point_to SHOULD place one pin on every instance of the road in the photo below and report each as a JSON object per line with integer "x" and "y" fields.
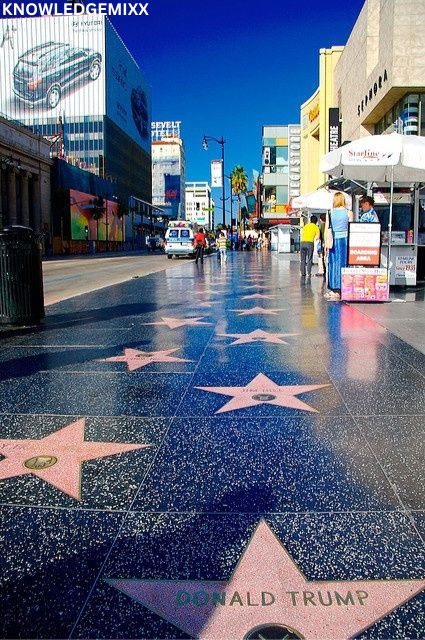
{"x": 68, "y": 278}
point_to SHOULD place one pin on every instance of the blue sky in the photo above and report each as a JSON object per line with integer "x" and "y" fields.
{"x": 227, "y": 68}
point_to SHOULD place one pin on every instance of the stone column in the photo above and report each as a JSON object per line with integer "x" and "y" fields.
{"x": 2, "y": 221}
{"x": 25, "y": 199}
{"x": 36, "y": 202}
{"x": 12, "y": 213}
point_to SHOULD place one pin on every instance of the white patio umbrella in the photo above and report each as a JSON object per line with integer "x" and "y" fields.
{"x": 321, "y": 199}
{"x": 385, "y": 158}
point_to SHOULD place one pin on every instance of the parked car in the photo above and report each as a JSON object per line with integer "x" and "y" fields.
{"x": 44, "y": 72}
{"x": 154, "y": 243}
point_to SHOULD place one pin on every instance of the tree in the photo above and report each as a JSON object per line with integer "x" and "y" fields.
{"x": 239, "y": 181}
{"x": 98, "y": 212}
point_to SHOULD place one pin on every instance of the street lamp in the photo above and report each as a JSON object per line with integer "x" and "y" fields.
{"x": 221, "y": 142}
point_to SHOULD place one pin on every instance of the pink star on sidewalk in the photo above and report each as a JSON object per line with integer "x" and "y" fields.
{"x": 268, "y": 592}
{"x": 136, "y": 359}
{"x": 262, "y": 296}
{"x": 175, "y": 323}
{"x": 262, "y": 390}
{"x": 57, "y": 458}
{"x": 256, "y": 286}
{"x": 261, "y": 311}
{"x": 258, "y": 336}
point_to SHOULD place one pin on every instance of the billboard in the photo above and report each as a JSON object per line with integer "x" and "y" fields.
{"x": 128, "y": 96}
{"x": 52, "y": 66}
{"x": 172, "y": 187}
{"x": 81, "y": 206}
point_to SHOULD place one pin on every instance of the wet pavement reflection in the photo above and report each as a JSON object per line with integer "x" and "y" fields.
{"x": 212, "y": 452}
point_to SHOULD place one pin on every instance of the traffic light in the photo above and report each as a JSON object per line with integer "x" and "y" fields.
{"x": 86, "y": 231}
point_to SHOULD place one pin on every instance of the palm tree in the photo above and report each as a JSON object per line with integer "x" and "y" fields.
{"x": 239, "y": 181}
{"x": 98, "y": 213}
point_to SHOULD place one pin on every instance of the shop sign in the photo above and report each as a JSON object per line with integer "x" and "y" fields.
{"x": 294, "y": 160}
{"x": 372, "y": 92}
{"x": 363, "y": 284}
{"x": 405, "y": 267}
{"x": 364, "y": 244}
{"x": 314, "y": 113}
{"x": 167, "y": 129}
{"x": 334, "y": 129}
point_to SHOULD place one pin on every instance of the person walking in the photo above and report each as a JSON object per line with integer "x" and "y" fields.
{"x": 321, "y": 271}
{"x": 368, "y": 212}
{"x": 309, "y": 234}
{"x": 336, "y": 243}
{"x": 222, "y": 247}
{"x": 200, "y": 244}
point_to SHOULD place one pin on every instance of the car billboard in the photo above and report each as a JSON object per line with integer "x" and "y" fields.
{"x": 52, "y": 66}
{"x": 128, "y": 96}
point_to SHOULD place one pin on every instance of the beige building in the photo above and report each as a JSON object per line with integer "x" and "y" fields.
{"x": 379, "y": 82}
{"x": 317, "y": 120}
{"x": 24, "y": 177}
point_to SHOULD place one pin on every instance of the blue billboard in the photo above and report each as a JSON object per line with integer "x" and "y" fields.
{"x": 128, "y": 96}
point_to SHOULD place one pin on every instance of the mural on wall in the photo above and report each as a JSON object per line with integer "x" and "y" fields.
{"x": 84, "y": 226}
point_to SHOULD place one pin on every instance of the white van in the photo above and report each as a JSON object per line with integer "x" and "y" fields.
{"x": 179, "y": 239}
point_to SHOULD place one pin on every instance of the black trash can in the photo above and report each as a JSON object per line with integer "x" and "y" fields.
{"x": 21, "y": 278}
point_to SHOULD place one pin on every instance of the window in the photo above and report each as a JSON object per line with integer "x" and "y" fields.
{"x": 281, "y": 154}
{"x": 174, "y": 233}
{"x": 185, "y": 233}
{"x": 282, "y": 195}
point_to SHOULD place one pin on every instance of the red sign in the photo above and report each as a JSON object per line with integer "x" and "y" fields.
{"x": 364, "y": 244}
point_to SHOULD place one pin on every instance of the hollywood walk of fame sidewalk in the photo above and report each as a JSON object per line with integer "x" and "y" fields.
{"x": 212, "y": 452}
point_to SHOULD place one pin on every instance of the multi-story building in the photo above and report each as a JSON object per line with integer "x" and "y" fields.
{"x": 320, "y": 126}
{"x": 280, "y": 175}
{"x": 25, "y": 166}
{"x": 72, "y": 79}
{"x": 379, "y": 88}
{"x": 379, "y": 79}
{"x": 199, "y": 204}
{"x": 168, "y": 169}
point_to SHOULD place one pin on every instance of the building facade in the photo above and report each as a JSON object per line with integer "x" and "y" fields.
{"x": 379, "y": 87}
{"x": 24, "y": 178}
{"x": 320, "y": 127}
{"x": 379, "y": 83}
{"x": 199, "y": 204}
{"x": 72, "y": 80}
{"x": 280, "y": 173}
{"x": 168, "y": 169}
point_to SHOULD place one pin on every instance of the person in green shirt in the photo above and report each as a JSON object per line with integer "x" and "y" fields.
{"x": 309, "y": 234}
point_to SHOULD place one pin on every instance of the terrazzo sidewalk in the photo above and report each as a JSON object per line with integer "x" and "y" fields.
{"x": 212, "y": 452}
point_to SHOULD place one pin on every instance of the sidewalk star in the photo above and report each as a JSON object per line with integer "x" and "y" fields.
{"x": 57, "y": 458}
{"x": 136, "y": 359}
{"x": 176, "y": 323}
{"x": 263, "y": 296}
{"x": 258, "y": 311}
{"x": 266, "y": 592}
{"x": 258, "y": 336}
{"x": 262, "y": 390}
{"x": 256, "y": 286}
